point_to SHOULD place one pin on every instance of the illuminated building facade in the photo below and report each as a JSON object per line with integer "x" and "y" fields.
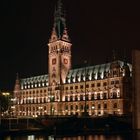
{"x": 98, "y": 90}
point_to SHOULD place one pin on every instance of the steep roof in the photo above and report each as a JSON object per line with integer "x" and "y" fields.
{"x": 92, "y": 73}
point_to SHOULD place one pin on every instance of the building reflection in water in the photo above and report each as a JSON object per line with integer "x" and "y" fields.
{"x": 127, "y": 136}
{"x": 31, "y": 137}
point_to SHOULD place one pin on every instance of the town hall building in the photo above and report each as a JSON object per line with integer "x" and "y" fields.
{"x": 97, "y": 90}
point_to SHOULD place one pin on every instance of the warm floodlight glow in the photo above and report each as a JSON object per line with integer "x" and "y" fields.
{"x": 5, "y": 93}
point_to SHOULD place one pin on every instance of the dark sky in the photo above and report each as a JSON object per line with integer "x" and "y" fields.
{"x": 95, "y": 29}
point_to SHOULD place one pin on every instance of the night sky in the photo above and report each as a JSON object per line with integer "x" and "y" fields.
{"x": 95, "y": 28}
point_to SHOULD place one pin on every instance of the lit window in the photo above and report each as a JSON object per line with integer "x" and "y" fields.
{"x": 95, "y": 96}
{"x": 43, "y": 84}
{"x": 118, "y": 94}
{"x": 93, "y": 106}
{"x": 21, "y": 87}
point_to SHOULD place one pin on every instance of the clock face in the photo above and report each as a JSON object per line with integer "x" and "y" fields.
{"x": 54, "y": 61}
{"x": 65, "y": 61}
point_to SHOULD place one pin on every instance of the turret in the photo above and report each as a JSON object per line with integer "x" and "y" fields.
{"x": 115, "y": 67}
{"x": 17, "y": 87}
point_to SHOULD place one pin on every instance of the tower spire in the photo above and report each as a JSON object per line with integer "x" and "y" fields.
{"x": 58, "y": 10}
{"x": 17, "y": 86}
{"x": 59, "y": 27}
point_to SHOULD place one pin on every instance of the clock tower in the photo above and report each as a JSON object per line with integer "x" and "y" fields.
{"x": 59, "y": 49}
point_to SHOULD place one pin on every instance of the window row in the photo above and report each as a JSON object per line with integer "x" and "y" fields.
{"x": 33, "y": 92}
{"x": 90, "y": 85}
{"x": 92, "y": 107}
{"x": 97, "y": 96}
{"x": 35, "y": 85}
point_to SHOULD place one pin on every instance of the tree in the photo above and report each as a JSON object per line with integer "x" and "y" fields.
{"x": 4, "y": 102}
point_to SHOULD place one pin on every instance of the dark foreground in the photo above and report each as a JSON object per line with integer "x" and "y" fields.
{"x": 44, "y": 136}
{"x": 70, "y": 125}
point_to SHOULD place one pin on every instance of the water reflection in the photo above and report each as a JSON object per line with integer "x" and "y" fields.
{"x": 129, "y": 136}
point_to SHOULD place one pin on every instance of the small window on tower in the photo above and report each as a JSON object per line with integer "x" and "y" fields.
{"x": 54, "y": 61}
{"x": 65, "y": 61}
